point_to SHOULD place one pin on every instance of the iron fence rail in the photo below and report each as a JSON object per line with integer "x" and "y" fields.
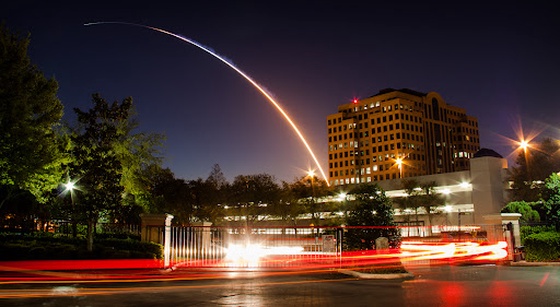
{"x": 203, "y": 246}
{"x": 282, "y": 247}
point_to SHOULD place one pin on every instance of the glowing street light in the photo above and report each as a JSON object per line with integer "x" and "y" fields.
{"x": 399, "y": 163}
{"x": 523, "y": 144}
{"x": 69, "y": 186}
{"x": 341, "y": 196}
{"x": 311, "y": 174}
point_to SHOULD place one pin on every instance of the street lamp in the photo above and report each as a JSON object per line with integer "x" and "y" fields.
{"x": 524, "y": 145}
{"x": 69, "y": 187}
{"x": 447, "y": 210}
{"x": 399, "y": 163}
{"x": 311, "y": 174}
{"x": 341, "y": 196}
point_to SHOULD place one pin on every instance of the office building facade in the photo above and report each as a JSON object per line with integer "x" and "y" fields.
{"x": 397, "y": 134}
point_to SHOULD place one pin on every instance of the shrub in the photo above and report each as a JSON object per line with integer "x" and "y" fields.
{"x": 117, "y": 235}
{"x": 542, "y": 246}
{"x": 136, "y": 249}
{"x": 50, "y": 247}
{"x": 526, "y": 231}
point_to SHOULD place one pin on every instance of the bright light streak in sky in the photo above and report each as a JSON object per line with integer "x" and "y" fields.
{"x": 239, "y": 71}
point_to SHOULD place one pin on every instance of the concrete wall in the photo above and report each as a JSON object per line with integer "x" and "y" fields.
{"x": 469, "y": 195}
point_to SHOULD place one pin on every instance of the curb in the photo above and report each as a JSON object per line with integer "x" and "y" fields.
{"x": 533, "y": 264}
{"x": 360, "y": 275}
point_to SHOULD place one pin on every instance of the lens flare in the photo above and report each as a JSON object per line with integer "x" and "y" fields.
{"x": 239, "y": 71}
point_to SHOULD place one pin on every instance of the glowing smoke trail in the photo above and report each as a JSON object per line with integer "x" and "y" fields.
{"x": 244, "y": 75}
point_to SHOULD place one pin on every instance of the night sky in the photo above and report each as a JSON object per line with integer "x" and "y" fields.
{"x": 499, "y": 62}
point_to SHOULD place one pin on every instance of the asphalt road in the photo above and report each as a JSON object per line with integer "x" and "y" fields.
{"x": 432, "y": 286}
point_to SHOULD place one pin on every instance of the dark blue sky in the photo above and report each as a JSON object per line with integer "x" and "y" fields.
{"x": 499, "y": 62}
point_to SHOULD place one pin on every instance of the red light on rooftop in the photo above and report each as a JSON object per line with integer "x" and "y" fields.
{"x": 355, "y": 100}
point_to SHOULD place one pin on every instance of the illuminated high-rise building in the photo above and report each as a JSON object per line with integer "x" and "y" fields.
{"x": 398, "y": 134}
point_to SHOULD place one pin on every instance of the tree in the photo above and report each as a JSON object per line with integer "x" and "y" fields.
{"x": 370, "y": 207}
{"x": 96, "y": 163}
{"x": 308, "y": 190}
{"x": 288, "y": 208}
{"x": 431, "y": 201}
{"x": 252, "y": 194}
{"x": 215, "y": 189}
{"x": 171, "y": 195}
{"x": 534, "y": 165}
{"x": 207, "y": 200}
{"x": 551, "y": 199}
{"x": 421, "y": 195}
{"x": 412, "y": 200}
{"x": 30, "y": 153}
{"x": 216, "y": 178}
{"x": 138, "y": 153}
{"x": 528, "y": 214}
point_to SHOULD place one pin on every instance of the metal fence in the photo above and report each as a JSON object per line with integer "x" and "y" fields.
{"x": 294, "y": 247}
{"x": 204, "y": 246}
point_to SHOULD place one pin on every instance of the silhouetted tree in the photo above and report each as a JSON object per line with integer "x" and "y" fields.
{"x": 431, "y": 200}
{"x": 370, "y": 207}
{"x": 172, "y": 195}
{"x": 251, "y": 195}
{"x": 216, "y": 189}
{"x": 533, "y": 166}
{"x": 412, "y": 201}
{"x": 309, "y": 190}
{"x": 288, "y": 208}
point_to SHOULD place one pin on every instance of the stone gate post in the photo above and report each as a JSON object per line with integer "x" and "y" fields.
{"x": 157, "y": 228}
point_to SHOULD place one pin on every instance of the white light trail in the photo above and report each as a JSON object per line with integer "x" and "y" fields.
{"x": 239, "y": 71}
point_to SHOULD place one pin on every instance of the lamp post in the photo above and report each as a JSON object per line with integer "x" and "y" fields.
{"x": 399, "y": 163}
{"x": 311, "y": 174}
{"x": 524, "y": 145}
{"x": 69, "y": 187}
{"x": 447, "y": 209}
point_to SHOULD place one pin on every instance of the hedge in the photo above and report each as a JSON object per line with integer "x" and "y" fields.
{"x": 529, "y": 230}
{"x": 50, "y": 247}
{"x": 542, "y": 246}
